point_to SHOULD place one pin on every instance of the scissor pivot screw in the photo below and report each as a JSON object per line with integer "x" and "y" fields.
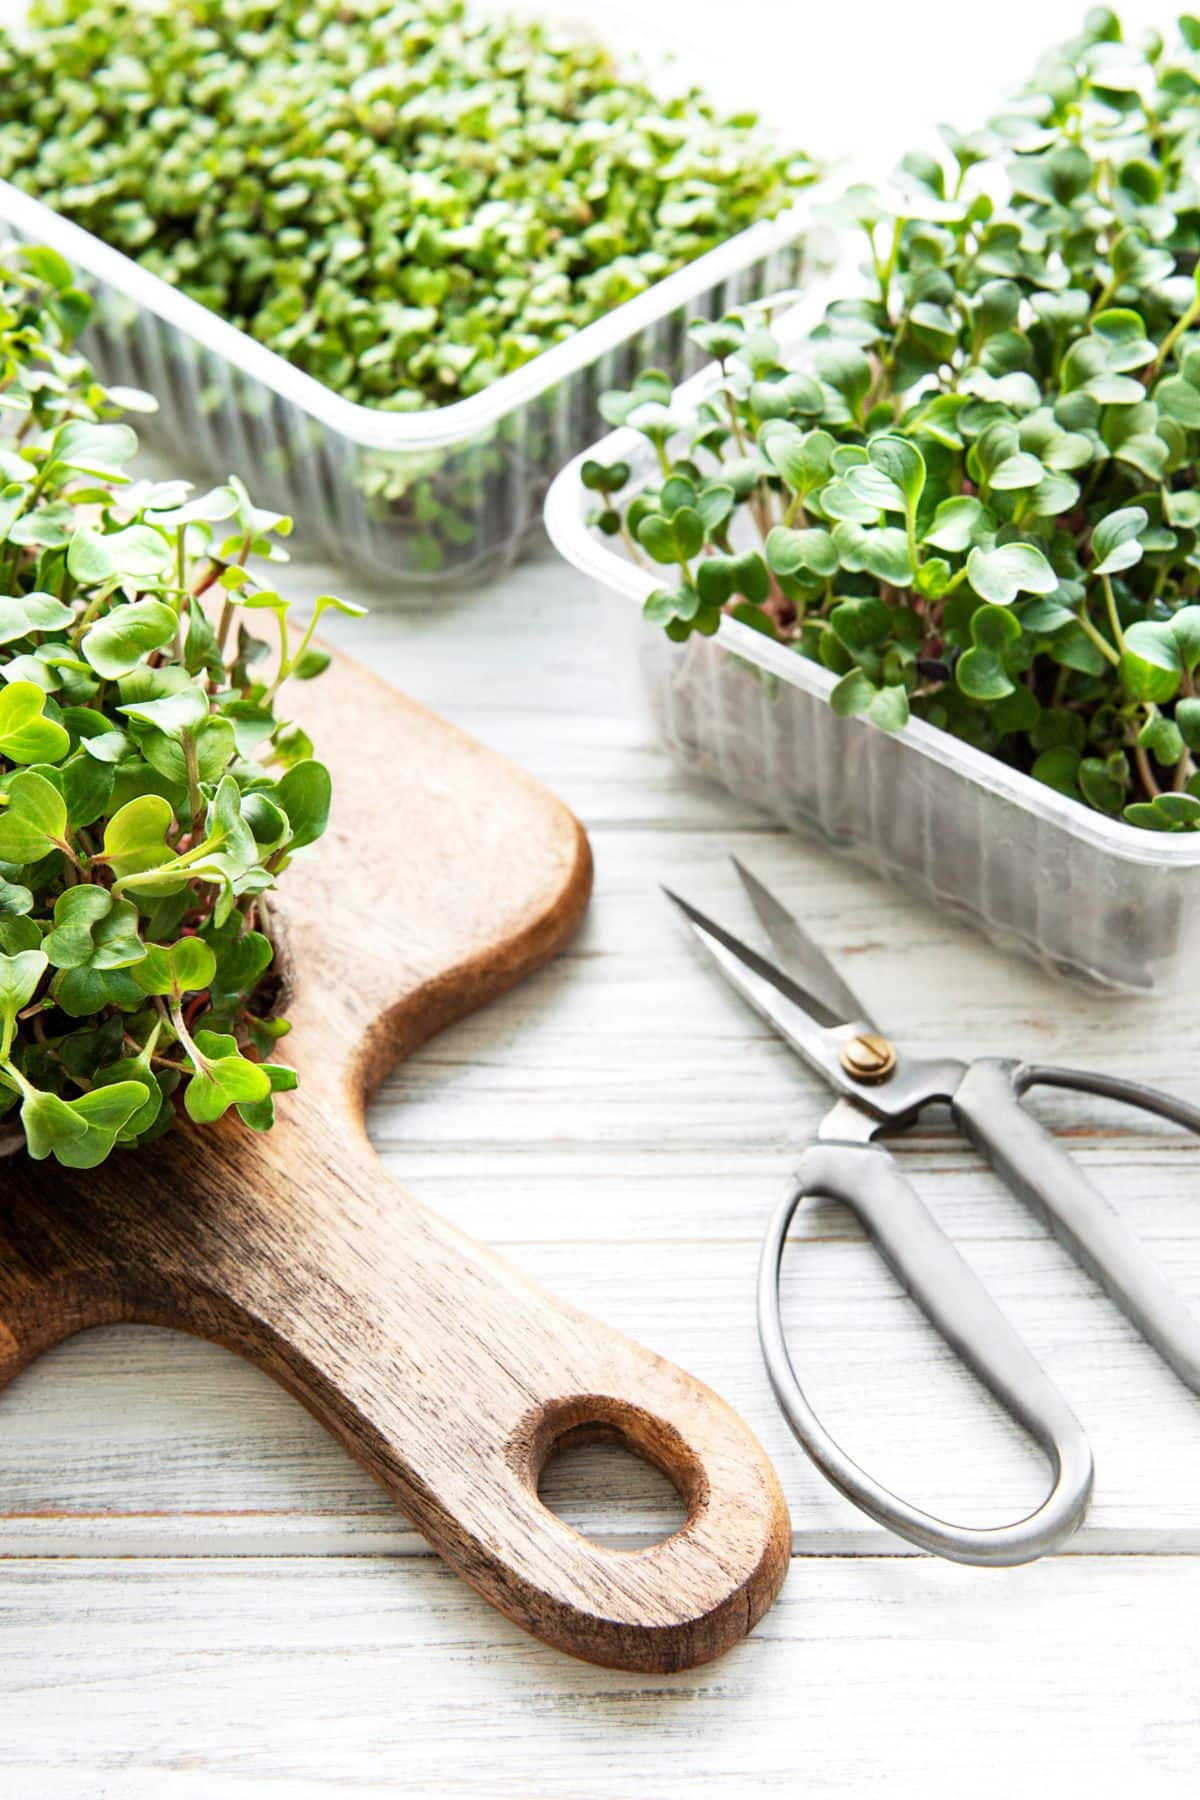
{"x": 869, "y": 1057}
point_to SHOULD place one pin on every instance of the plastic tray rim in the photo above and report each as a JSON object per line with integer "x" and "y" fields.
{"x": 436, "y": 428}
{"x": 575, "y": 541}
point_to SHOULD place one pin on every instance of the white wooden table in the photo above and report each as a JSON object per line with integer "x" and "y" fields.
{"x": 201, "y": 1597}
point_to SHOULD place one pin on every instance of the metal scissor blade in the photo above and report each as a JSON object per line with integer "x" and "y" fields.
{"x": 800, "y": 957}
{"x": 796, "y": 1015}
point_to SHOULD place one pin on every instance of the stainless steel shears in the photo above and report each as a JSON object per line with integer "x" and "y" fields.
{"x": 881, "y": 1089}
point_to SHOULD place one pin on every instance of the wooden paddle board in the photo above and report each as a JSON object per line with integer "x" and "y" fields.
{"x": 446, "y": 876}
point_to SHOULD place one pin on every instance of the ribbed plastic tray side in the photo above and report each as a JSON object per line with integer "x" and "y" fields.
{"x": 448, "y": 515}
{"x": 1085, "y": 896}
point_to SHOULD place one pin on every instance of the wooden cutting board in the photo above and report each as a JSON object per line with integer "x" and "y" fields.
{"x": 446, "y": 876}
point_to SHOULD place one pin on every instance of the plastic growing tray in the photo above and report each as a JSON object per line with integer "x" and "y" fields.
{"x": 442, "y": 496}
{"x": 1086, "y": 895}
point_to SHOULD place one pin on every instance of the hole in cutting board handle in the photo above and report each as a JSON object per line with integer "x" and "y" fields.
{"x": 599, "y": 1460}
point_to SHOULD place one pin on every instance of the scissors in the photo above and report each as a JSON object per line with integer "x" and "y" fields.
{"x": 881, "y": 1089}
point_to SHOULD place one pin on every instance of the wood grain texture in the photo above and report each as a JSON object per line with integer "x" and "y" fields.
{"x": 871, "y": 1679}
{"x": 621, "y": 1127}
{"x": 448, "y": 1374}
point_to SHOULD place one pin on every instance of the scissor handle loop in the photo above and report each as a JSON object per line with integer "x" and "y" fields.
{"x": 955, "y": 1301}
{"x": 1046, "y": 1177}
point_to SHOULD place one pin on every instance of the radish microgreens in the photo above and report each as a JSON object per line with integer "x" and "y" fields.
{"x": 150, "y": 793}
{"x": 972, "y": 494}
{"x": 408, "y": 199}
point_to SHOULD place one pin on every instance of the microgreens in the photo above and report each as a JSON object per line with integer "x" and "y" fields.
{"x": 972, "y": 493}
{"x": 150, "y": 795}
{"x": 405, "y": 200}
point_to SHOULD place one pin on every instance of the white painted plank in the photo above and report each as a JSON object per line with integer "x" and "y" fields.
{"x": 622, "y": 1127}
{"x": 153, "y": 1681}
{"x": 130, "y": 1423}
{"x": 625, "y": 1102}
{"x": 528, "y": 667}
{"x": 632, "y": 1037}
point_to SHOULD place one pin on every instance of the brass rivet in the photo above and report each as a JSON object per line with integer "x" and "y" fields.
{"x": 868, "y": 1057}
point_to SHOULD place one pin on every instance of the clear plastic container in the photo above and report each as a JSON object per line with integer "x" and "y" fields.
{"x": 1086, "y": 895}
{"x": 439, "y": 497}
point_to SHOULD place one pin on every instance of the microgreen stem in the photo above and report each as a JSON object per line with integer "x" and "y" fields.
{"x": 1110, "y": 602}
{"x": 191, "y": 764}
{"x": 633, "y": 547}
{"x": 1146, "y": 773}
{"x": 64, "y": 846}
{"x": 14, "y": 1075}
{"x": 178, "y": 865}
{"x": 910, "y": 533}
{"x": 185, "y": 1037}
{"x": 1102, "y": 644}
{"x": 739, "y": 436}
{"x": 1182, "y": 324}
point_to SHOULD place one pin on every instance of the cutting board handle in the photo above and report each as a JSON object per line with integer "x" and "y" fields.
{"x": 454, "y": 1379}
{"x": 446, "y": 1372}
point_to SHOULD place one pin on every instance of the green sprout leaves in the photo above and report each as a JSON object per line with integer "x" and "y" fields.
{"x": 886, "y": 707}
{"x": 33, "y": 822}
{"x": 94, "y": 939}
{"x": 150, "y": 793}
{"x": 957, "y": 523}
{"x": 970, "y": 492}
{"x": 90, "y": 927}
{"x": 185, "y": 967}
{"x": 1115, "y": 543}
{"x": 672, "y": 539}
{"x": 117, "y": 643}
{"x": 791, "y": 552}
{"x": 982, "y": 670}
{"x": 1166, "y": 812}
{"x": 304, "y": 793}
{"x": 78, "y": 1133}
{"x": 26, "y": 734}
{"x": 1161, "y": 655}
{"x": 222, "y": 1078}
{"x": 802, "y": 458}
{"x": 19, "y": 978}
{"x": 135, "y": 838}
{"x": 1000, "y": 574}
{"x": 23, "y": 614}
{"x": 900, "y": 467}
{"x": 435, "y": 199}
